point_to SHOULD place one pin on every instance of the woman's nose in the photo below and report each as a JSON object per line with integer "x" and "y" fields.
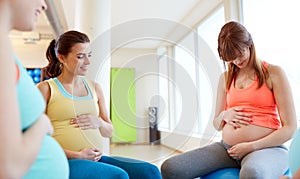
{"x": 236, "y": 61}
{"x": 87, "y": 60}
{"x": 44, "y": 5}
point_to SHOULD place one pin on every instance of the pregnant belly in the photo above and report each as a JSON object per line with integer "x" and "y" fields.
{"x": 232, "y": 136}
{"x": 75, "y": 139}
{"x": 51, "y": 162}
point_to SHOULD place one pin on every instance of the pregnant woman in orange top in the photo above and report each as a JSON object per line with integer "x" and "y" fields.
{"x": 254, "y": 110}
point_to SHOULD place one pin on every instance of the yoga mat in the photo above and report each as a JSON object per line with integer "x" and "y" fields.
{"x": 123, "y": 105}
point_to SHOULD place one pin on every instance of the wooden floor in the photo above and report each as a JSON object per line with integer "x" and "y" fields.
{"x": 154, "y": 154}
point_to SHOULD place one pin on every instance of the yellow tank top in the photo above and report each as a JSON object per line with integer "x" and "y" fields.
{"x": 62, "y": 106}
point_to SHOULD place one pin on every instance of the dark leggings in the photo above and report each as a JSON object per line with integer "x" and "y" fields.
{"x": 267, "y": 163}
{"x": 113, "y": 168}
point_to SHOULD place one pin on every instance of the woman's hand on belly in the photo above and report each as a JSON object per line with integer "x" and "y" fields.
{"x": 86, "y": 121}
{"x": 236, "y": 117}
{"x": 90, "y": 153}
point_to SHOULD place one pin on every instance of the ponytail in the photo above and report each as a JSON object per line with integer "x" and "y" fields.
{"x": 53, "y": 69}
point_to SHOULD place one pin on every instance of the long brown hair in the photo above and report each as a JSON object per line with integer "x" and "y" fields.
{"x": 232, "y": 41}
{"x": 62, "y": 46}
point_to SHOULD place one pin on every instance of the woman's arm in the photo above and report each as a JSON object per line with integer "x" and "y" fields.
{"x": 284, "y": 100}
{"x": 45, "y": 90}
{"x": 106, "y": 127}
{"x": 218, "y": 121}
{"x": 18, "y": 150}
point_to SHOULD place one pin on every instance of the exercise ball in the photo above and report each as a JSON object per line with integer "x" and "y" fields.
{"x": 230, "y": 173}
{"x": 30, "y": 72}
{"x": 294, "y": 153}
{"x": 37, "y": 72}
{"x": 225, "y": 173}
{"x": 36, "y": 79}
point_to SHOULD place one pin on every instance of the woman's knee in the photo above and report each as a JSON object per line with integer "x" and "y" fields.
{"x": 166, "y": 169}
{"x": 120, "y": 174}
{"x": 256, "y": 172}
{"x": 250, "y": 172}
{"x": 151, "y": 171}
{"x": 169, "y": 169}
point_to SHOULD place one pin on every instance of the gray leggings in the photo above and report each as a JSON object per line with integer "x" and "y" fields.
{"x": 268, "y": 163}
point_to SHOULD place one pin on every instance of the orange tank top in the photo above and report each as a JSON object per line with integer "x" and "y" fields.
{"x": 258, "y": 102}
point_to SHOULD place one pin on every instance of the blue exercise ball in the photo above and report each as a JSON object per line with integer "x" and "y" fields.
{"x": 30, "y": 72}
{"x": 294, "y": 153}
{"x": 225, "y": 173}
{"x": 230, "y": 173}
{"x": 37, "y": 72}
{"x": 36, "y": 79}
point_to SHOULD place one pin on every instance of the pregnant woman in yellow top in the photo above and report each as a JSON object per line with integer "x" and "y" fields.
{"x": 77, "y": 111}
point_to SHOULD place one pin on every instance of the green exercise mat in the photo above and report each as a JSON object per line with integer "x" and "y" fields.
{"x": 123, "y": 106}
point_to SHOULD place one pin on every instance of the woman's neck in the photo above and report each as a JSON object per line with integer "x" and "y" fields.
{"x": 69, "y": 79}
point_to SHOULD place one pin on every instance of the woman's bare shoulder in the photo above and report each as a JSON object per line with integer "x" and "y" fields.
{"x": 44, "y": 87}
{"x": 275, "y": 70}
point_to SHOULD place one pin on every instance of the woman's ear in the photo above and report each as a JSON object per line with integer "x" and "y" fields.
{"x": 61, "y": 58}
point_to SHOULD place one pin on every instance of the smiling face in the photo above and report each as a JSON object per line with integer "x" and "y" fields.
{"x": 25, "y": 13}
{"x": 77, "y": 60}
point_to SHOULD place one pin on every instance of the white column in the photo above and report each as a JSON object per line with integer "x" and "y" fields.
{"x": 233, "y": 10}
{"x": 93, "y": 18}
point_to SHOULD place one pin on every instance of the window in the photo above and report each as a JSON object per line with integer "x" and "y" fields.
{"x": 210, "y": 28}
{"x": 163, "y": 80}
{"x": 185, "y": 80}
{"x": 209, "y": 68}
{"x": 194, "y": 71}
